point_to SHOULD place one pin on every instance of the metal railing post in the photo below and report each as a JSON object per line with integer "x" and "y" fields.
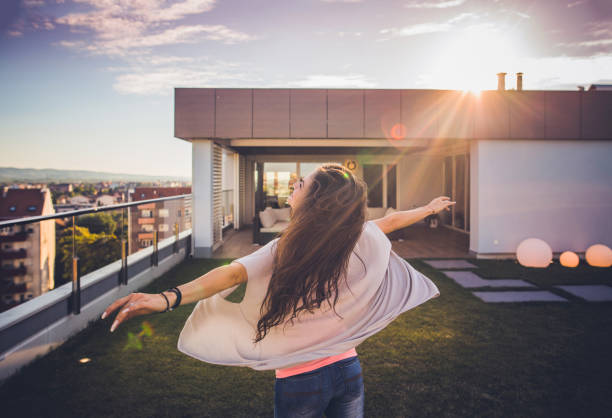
{"x": 76, "y": 287}
{"x": 188, "y": 248}
{"x": 124, "y": 265}
{"x": 175, "y": 247}
{"x": 155, "y": 253}
{"x": 76, "y": 280}
{"x": 123, "y": 277}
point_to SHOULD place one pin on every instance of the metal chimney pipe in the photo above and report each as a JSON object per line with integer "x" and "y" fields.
{"x": 501, "y": 81}
{"x": 519, "y": 81}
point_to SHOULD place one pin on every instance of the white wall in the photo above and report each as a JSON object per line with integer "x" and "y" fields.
{"x": 558, "y": 191}
{"x": 202, "y": 198}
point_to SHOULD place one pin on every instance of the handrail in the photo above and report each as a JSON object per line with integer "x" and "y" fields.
{"x": 32, "y": 219}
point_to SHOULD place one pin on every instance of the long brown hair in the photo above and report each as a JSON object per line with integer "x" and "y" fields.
{"x": 313, "y": 252}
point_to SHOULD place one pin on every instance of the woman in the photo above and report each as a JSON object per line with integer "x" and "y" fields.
{"x": 325, "y": 285}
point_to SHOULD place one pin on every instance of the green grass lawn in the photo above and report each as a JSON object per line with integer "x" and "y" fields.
{"x": 452, "y": 356}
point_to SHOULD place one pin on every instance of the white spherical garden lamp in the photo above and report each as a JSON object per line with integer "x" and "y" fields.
{"x": 599, "y": 255}
{"x": 533, "y": 252}
{"x": 569, "y": 259}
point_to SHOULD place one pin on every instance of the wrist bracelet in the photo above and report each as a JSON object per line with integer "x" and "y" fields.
{"x": 167, "y": 302}
{"x": 178, "y": 297}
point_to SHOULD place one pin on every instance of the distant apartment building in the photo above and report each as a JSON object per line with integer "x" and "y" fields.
{"x": 105, "y": 200}
{"x": 27, "y": 252}
{"x": 160, "y": 217}
{"x": 61, "y": 187}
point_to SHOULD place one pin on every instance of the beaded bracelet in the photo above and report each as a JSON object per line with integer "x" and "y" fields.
{"x": 167, "y": 302}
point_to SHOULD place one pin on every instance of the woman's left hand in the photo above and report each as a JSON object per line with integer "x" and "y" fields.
{"x": 133, "y": 305}
{"x": 440, "y": 203}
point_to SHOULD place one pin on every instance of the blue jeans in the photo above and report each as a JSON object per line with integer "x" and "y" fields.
{"x": 335, "y": 389}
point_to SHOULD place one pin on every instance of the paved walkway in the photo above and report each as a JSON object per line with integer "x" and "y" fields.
{"x": 470, "y": 280}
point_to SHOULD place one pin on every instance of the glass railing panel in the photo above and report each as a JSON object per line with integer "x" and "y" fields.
{"x": 37, "y": 257}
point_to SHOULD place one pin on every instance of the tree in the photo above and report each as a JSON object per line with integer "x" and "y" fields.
{"x": 98, "y": 223}
{"x": 94, "y": 251}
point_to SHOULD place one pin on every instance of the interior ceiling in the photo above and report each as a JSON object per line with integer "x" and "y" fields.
{"x": 327, "y": 150}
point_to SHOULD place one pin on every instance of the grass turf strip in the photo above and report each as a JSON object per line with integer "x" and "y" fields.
{"x": 452, "y": 356}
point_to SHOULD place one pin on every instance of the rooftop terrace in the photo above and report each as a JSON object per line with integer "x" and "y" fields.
{"x": 453, "y": 356}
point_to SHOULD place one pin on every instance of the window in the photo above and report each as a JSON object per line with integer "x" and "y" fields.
{"x": 29, "y": 295}
{"x": 179, "y": 213}
{"x": 13, "y": 208}
{"x": 372, "y": 175}
{"x": 142, "y": 195}
{"x": 147, "y": 228}
{"x": 32, "y": 208}
{"x": 163, "y": 213}
{"x": 163, "y": 228}
{"x": 391, "y": 186}
{"x": 146, "y": 213}
{"x": 277, "y": 181}
{"x": 8, "y": 229}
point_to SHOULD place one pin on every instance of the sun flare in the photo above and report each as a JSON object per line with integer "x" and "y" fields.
{"x": 472, "y": 59}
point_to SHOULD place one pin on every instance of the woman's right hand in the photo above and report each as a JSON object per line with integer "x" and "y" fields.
{"x": 133, "y": 305}
{"x": 440, "y": 203}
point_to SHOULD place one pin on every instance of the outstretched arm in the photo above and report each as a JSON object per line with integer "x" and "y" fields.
{"x": 402, "y": 219}
{"x": 213, "y": 282}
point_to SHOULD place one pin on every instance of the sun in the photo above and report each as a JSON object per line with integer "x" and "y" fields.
{"x": 473, "y": 57}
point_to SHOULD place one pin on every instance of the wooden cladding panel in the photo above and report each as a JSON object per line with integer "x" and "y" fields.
{"x": 345, "y": 113}
{"x": 382, "y": 113}
{"x": 194, "y": 113}
{"x": 308, "y": 113}
{"x": 233, "y": 113}
{"x": 271, "y": 113}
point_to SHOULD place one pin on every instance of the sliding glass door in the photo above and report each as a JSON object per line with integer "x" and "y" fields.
{"x": 382, "y": 185}
{"x": 457, "y": 187}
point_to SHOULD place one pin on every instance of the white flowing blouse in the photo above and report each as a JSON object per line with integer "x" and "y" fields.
{"x": 379, "y": 289}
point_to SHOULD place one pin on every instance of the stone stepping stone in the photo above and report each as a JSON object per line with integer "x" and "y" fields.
{"x": 592, "y": 293}
{"x": 470, "y": 279}
{"x": 519, "y": 296}
{"x": 450, "y": 264}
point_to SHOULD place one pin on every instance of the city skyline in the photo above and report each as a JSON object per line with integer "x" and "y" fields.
{"x": 89, "y": 83}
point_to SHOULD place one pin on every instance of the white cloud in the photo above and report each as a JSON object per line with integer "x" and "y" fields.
{"x": 120, "y": 27}
{"x": 158, "y": 75}
{"x": 566, "y": 72}
{"x": 334, "y": 81}
{"x": 434, "y": 4}
{"x": 419, "y": 29}
{"x": 147, "y": 10}
{"x": 33, "y": 3}
{"x": 429, "y": 27}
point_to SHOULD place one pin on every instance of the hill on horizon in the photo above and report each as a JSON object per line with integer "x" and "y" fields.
{"x": 52, "y": 175}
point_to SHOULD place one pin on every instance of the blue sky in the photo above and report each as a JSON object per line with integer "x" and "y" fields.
{"x": 88, "y": 84}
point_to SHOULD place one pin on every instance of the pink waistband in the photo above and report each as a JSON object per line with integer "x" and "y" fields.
{"x": 313, "y": 364}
